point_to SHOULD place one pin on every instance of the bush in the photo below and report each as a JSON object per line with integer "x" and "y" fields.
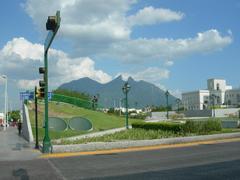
{"x": 165, "y": 126}
{"x": 198, "y": 127}
{"x": 202, "y": 127}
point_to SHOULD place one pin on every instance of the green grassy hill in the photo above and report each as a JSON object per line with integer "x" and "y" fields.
{"x": 101, "y": 121}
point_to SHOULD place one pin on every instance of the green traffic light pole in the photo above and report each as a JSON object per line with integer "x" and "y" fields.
{"x": 126, "y": 87}
{"x": 47, "y": 146}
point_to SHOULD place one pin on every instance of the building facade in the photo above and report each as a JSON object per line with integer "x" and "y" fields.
{"x": 218, "y": 93}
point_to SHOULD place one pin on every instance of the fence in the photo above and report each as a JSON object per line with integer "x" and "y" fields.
{"x": 74, "y": 101}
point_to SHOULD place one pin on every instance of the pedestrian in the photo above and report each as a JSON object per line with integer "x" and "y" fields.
{"x": 19, "y": 127}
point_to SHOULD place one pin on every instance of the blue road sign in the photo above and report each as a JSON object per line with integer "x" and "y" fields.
{"x": 29, "y": 95}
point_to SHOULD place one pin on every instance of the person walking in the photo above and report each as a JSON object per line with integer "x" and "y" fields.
{"x": 19, "y": 127}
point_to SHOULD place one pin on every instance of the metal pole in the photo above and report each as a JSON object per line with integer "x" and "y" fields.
{"x": 120, "y": 107}
{"x": 36, "y": 119}
{"x": 167, "y": 106}
{"x": 6, "y": 101}
{"x": 214, "y": 107}
{"x": 5, "y": 108}
{"x": 126, "y": 110}
{"x": 46, "y": 141}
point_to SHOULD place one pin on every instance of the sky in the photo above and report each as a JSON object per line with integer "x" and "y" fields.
{"x": 176, "y": 45}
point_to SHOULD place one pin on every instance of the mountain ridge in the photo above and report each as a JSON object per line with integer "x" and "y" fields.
{"x": 141, "y": 94}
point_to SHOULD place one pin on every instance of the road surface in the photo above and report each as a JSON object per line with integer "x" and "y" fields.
{"x": 206, "y": 161}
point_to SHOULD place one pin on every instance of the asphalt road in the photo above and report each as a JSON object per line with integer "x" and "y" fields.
{"x": 208, "y": 161}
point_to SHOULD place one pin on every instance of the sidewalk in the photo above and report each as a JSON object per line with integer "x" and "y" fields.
{"x": 14, "y": 147}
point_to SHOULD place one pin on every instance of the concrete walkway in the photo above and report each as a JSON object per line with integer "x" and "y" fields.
{"x": 14, "y": 147}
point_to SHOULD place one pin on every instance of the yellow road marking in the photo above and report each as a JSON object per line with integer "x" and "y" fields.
{"x": 139, "y": 148}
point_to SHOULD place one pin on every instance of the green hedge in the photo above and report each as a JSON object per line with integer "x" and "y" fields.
{"x": 165, "y": 126}
{"x": 202, "y": 127}
{"x": 198, "y": 127}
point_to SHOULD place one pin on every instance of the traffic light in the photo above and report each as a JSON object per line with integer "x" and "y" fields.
{"x": 51, "y": 24}
{"x": 42, "y": 83}
{"x": 41, "y": 70}
{"x": 40, "y": 92}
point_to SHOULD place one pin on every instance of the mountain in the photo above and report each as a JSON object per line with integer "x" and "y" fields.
{"x": 141, "y": 94}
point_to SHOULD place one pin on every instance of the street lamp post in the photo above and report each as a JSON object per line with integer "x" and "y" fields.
{"x": 6, "y": 103}
{"x": 178, "y": 103}
{"x": 126, "y": 88}
{"x": 52, "y": 25}
{"x": 213, "y": 96}
{"x": 167, "y": 94}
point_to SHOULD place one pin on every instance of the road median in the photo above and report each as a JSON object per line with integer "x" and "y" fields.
{"x": 138, "y": 145}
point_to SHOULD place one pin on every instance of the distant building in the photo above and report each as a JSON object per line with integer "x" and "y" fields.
{"x": 218, "y": 93}
{"x": 1, "y": 118}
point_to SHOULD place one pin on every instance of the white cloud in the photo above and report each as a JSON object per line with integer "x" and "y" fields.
{"x": 20, "y": 60}
{"x": 22, "y": 48}
{"x": 27, "y": 84}
{"x": 177, "y": 93}
{"x": 150, "y": 15}
{"x": 169, "y": 63}
{"x": 143, "y": 50}
{"x": 93, "y": 26}
{"x": 103, "y": 28}
{"x": 151, "y": 74}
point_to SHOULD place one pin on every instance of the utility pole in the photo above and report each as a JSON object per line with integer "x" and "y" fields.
{"x": 52, "y": 25}
{"x": 167, "y": 94}
{"x": 36, "y": 118}
{"x": 126, "y": 88}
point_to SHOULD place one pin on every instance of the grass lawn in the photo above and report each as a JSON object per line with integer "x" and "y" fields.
{"x": 101, "y": 121}
{"x": 138, "y": 134}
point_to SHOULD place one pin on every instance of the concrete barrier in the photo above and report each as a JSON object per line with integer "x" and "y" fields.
{"x": 26, "y": 125}
{"x": 198, "y": 113}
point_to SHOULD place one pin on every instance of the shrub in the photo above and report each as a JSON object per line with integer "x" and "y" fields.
{"x": 198, "y": 127}
{"x": 165, "y": 126}
{"x": 202, "y": 127}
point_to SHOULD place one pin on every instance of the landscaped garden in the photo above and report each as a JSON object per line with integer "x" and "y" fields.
{"x": 143, "y": 131}
{"x": 101, "y": 121}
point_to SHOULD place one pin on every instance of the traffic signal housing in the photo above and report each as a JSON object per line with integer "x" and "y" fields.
{"x": 41, "y": 70}
{"x": 40, "y": 92}
{"x": 51, "y": 24}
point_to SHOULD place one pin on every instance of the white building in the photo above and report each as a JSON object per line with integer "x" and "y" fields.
{"x": 218, "y": 93}
{"x": 1, "y": 119}
{"x": 232, "y": 98}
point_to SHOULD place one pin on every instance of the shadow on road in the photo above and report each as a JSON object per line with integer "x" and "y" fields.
{"x": 21, "y": 173}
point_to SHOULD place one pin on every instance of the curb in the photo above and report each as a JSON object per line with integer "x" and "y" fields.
{"x": 93, "y": 146}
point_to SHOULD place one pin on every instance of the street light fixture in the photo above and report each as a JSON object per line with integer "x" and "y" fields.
{"x": 167, "y": 94}
{"x": 213, "y": 96}
{"x": 52, "y": 25}
{"x": 6, "y": 102}
{"x": 126, "y": 88}
{"x": 178, "y": 101}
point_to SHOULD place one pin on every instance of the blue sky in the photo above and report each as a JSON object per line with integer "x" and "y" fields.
{"x": 176, "y": 45}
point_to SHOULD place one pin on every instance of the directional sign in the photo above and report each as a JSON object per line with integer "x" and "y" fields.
{"x": 29, "y": 95}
